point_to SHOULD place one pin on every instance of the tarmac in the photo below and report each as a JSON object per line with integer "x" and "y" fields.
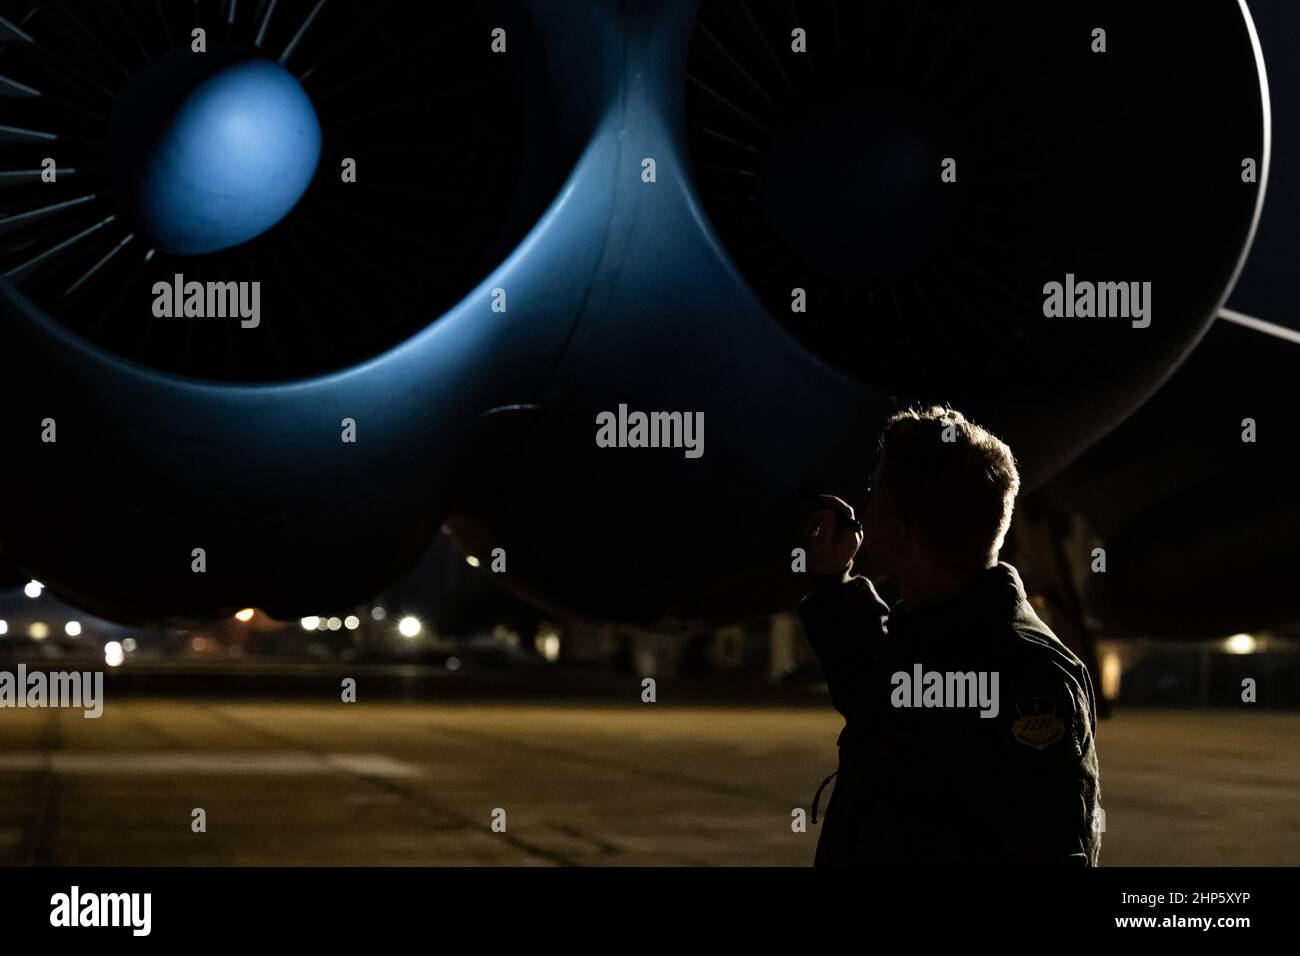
{"x": 529, "y": 783}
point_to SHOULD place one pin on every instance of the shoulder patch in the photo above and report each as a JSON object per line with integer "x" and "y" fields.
{"x": 1038, "y": 726}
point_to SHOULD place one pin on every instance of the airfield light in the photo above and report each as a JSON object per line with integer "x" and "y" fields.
{"x": 113, "y": 655}
{"x": 1242, "y": 644}
{"x": 1112, "y": 671}
{"x": 548, "y": 645}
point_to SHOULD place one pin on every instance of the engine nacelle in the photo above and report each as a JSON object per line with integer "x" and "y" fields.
{"x": 782, "y": 229}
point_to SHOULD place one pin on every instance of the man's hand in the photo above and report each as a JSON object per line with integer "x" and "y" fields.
{"x": 831, "y": 539}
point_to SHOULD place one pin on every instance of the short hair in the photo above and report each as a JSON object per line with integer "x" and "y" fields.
{"x": 959, "y": 493}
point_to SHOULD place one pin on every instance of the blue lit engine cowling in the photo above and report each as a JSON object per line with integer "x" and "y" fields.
{"x": 436, "y": 166}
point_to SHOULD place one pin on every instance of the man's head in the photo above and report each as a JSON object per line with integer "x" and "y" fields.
{"x": 941, "y": 496}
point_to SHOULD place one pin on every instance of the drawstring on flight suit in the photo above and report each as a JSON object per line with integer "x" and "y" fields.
{"x": 818, "y": 795}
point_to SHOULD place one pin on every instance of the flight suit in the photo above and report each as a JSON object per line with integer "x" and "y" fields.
{"x": 941, "y": 785}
